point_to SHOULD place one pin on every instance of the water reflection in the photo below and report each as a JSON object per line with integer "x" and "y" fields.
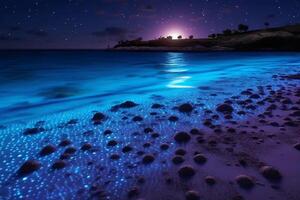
{"x": 176, "y": 67}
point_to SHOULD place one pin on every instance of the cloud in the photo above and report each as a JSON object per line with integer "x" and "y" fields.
{"x": 112, "y": 32}
{"x": 37, "y": 33}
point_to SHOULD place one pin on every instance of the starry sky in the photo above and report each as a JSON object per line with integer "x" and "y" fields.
{"x": 93, "y": 24}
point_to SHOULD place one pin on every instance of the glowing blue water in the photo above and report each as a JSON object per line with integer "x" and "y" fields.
{"x": 58, "y": 86}
{"x": 39, "y": 83}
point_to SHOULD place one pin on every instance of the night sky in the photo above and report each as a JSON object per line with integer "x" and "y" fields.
{"x": 98, "y": 23}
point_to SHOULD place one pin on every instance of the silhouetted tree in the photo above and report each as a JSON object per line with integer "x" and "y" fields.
{"x": 179, "y": 37}
{"x": 191, "y": 37}
{"x": 227, "y": 32}
{"x": 169, "y": 37}
{"x": 267, "y": 24}
{"x": 243, "y": 27}
{"x": 212, "y": 36}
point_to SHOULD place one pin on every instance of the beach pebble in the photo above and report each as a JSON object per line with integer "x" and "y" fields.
{"x": 65, "y": 156}
{"x": 173, "y": 119}
{"x": 107, "y": 132}
{"x": 185, "y": 108}
{"x": 47, "y": 150}
{"x": 112, "y": 143}
{"x": 225, "y": 108}
{"x": 255, "y": 96}
{"x": 147, "y": 159}
{"x": 28, "y": 167}
{"x": 157, "y": 106}
{"x": 164, "y": 146}
{"x": 128, "y": 104}
{"x": 59, "y": 164}
{"x": 210, "y": 180}
{"x": 126, "y": 149}
{"x": 65, "y": 142}
{"x": 244, "y": 181}
{"x": 192, "y": 195}
{"x": 182, "y": 137}
{"x": 148, "y": 130}
{"x": 200, "y": 158}
{"x": 70, "y": 150}
{"x": 133, "y": 192}
{"x": 33, "y": 131}
{"x": 86, "y": 147}
{"x": 137, "y": 119}
{"x": 297, "y": 146}
{"x": 270, "y": 173}
{"x": 186, "y": 171}
{"x": 177, "y": 159}
{"x": 98, "y": 117}
{"x": 115, "y": 156}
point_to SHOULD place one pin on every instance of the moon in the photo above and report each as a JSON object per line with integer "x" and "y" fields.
{"x": 174, "y": 33}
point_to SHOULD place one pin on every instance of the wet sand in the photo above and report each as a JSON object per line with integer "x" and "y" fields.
{"x": 255, "y": 157}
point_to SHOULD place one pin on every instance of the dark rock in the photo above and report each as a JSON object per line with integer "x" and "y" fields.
{"x": 29, "y": 167}
{"x": 147, "y": 144}
{"x": 128, "y": 104}
{"x": 125, "y": 105}
{"x": 127, "y": 149}
{"x": 112, "y": 143}
{"x": 98, "y": 117}
{"x": 137, "y": 119}
{"x": 210, "y": 180}
{"x": 148, "y": 130}
{"x": 270, "y": 173}
{"x": 107, "y": 132}
{"x": 65, "y": 156}
{"x": 155, "y": 135}
{"x": 255, "y": 96}
{"x": 133, "y": 192}
{"x": 178, "y": 159}
{"x": 147, "y": 159}
{"x": 185, "y": 108}
{"x": 164, "y": 146}
{"x": 173, "y": 118}
{"x": 244, "y": 181}
{"x": 65, "y": 142}
{"x": 47, "y": 150}
{"x": 182, "y": 137}
{"x": 186, "y": 171}
{"x": 180, "y": 152}
{"x": 246, "y": 92}
{"x": 33, "y": 131}
{"x": 192, "y": 195}
{"x": 200, "y": 158}
{"x": 157, "y": 106}
{"x": 59, "y": 164}
{"x": 225, "y": 108}
{"x": 86, "y": 147}
{"x": 297, "y": 146}
{"x": 70, "y": 150}
{"x": 115, "y": 157}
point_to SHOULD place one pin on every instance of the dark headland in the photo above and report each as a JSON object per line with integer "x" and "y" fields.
{"x": 286, "y": 38}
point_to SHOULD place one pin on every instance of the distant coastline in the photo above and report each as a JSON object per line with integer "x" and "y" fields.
{"x": 286, "y": 38}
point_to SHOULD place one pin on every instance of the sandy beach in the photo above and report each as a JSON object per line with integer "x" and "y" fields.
{"x": 255, "y": 157}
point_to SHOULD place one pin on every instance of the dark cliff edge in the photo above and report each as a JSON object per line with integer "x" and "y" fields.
{"x": 285, "y": 38}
